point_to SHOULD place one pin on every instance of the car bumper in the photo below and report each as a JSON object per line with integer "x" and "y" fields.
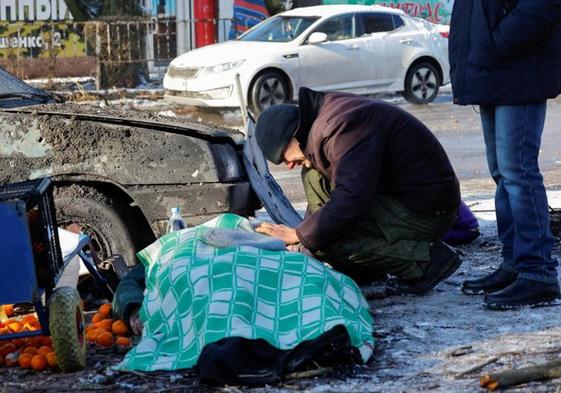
{"x": 198, "y": 202}
{"x": 213, "y": 90}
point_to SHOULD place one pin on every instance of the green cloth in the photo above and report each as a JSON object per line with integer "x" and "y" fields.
{"x": 390, "y": 239}
{"x": 197, "y": 294}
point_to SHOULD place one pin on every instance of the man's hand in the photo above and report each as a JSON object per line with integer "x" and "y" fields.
{"x": 282, "y": 232}
{"x": 135, "y": 322}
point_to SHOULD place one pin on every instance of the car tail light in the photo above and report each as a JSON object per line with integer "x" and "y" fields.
{"x": 444, "y": 34}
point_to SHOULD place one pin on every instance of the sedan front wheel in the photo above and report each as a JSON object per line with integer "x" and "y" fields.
{"x": 422, "y": 83}
{"x": 270, "y": 88}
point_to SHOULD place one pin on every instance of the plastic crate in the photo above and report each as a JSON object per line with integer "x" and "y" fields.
{"x": 37, "y": 196}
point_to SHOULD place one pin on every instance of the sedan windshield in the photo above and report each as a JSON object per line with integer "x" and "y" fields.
{"x": 279, "y": 29}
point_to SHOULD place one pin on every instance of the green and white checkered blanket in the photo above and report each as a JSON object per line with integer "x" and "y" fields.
{"x": 197, "y": 294}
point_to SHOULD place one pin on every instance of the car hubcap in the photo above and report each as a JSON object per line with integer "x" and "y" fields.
{"x": 424, "y": 83}
{"x": 271, "y": 93}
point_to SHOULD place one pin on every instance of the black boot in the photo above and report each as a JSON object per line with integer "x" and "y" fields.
{"x": 493, "y": 282}
{"x": 443, "y": 262}
{"x": 523, "y": 292}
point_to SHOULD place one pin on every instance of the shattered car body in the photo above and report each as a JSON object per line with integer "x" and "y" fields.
{"x": 118, "y": 174}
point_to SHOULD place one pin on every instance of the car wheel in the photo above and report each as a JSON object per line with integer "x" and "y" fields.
{"x": 270, "y": 88}
{"x": 421, "y": 84}
{"x": 84, "y": 209}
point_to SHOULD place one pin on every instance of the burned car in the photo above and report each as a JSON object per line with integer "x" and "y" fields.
{"x": 118, "y": 174}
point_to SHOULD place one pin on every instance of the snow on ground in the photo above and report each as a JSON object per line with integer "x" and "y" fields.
{"x": 428, "y": 343}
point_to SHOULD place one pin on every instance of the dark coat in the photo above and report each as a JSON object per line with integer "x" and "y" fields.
{"x": 365, "y": 147}
{"x": 505, "y": 52}
{"x": 129, "y": 293}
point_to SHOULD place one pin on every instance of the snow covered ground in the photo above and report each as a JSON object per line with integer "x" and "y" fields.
{"x": 428, "y": 343}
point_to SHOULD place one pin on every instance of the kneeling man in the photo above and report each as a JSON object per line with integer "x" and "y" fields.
{"x": 380, "y": 188}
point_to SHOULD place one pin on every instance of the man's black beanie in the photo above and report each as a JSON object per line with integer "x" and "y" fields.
{"x": 275, "y": 127}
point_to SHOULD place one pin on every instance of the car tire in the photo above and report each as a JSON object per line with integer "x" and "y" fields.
{"x": 104, "y": 219}
{"x": 269, "y": 88}
{"x": 422, "y": 83}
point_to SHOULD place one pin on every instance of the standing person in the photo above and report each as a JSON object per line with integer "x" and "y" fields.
{"x": 505, "y": 56}
{"x": 380, "y": 188}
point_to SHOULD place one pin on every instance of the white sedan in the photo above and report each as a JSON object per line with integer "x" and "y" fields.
{"x": 353, "y": 48}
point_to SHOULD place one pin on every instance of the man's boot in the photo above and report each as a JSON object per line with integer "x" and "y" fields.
{"x": 493, "y": 282}
{"x": 443, "y": 262}
{"x": 523, "y": 292}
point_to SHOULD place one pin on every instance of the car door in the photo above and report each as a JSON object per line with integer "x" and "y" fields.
{"x": 337, "y": 63}
{"x": 383, "y": 50}
{"x": 401, "y": 45}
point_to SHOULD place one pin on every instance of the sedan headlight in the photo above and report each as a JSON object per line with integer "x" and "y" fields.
{"x": 223, "y": 67}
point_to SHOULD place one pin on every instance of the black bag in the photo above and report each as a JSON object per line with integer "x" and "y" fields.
{"x": 242, "y": 361}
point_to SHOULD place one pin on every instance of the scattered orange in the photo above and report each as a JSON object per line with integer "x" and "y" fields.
{"x": 9, "y": 310}
{"x": 105, "y": 310}
{"x": 104, "y": 339}
{"x": 7, "y": 348}
{"x": 24, "y": 360}
{"x": 51, "y": 359}
{"x": 119, "y": 328}
{"x": 30, "y": 350}
{"x": 33, "y": 342}
{"x": 105, "y": 324}
{"x": 46, "y": 341}
{"x": 18, "y": 342}
{"x": 97, "y": 318}
{"x": 92, "y": 334}
{"x": 123, "y": 341}
{"x": 44, "y": 350}
{"x": 39, "y": 362}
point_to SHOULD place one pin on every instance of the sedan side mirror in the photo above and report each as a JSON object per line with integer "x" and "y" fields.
{"x": 317, "y": 38}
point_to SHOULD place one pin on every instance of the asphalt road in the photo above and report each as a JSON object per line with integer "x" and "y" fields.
{"x": 458, "y": 129}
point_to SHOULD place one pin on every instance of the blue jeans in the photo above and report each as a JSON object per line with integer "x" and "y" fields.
{"x": 512, "y": 137}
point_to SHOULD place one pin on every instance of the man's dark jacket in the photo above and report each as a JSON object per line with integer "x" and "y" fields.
{"x": 505, "y": 52}
{"x": 367, "y": 147}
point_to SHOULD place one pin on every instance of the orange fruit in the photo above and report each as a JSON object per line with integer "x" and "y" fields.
{"x": 44, "y": 350}
{"x": 7, "y": 348}
{"x": 105, "y": 324}
{"x": 24, "y": 360}
{"x": 39, "y": 362}
{"x": 105, "y": 310}
{"x": 119, "y": 328}
{"x": 46, "y": 341}
{"x": 12, "y": 359}
{"x": 104, "y": 339}
{"x": 31, "y": 326}
{"x": 9, "y": 310}
{"x": 29, "y": 318}
{"x": 51, "y": 359}
{"x": 15, "y": 326}
{"x": 33, "y": 342}
{"x": 4, "y": 330}
{"x": 123, "y": 341}
{"x": 97, "y": 318}
{"x": 18, "y": 342}
{"x": 30, "y": 350}
{"x": 92, "y": 334}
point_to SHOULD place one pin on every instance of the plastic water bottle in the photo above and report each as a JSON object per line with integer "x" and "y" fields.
{"x": 175, "y": 222}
